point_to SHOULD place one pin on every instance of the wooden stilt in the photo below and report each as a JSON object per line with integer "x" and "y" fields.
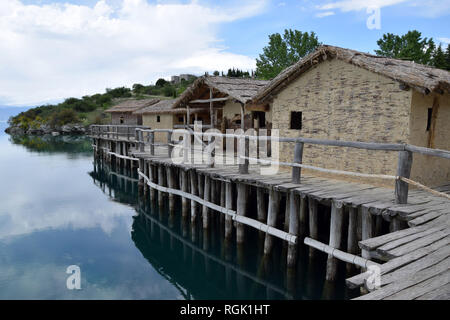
{"x": 303, "y": 218}
{"x": 194, "y": 191}
{"x": 366, "y": 228}
{"x": 294, "y": 203}
{"x": 184, "y": 187}
{"x": 228, "y": 205}
{"x": 242, "y": 191}
{"x": 313, "y": 222}
{"x": 337, "y": 216}
{"x": 161, "y": 183}
{"x": 352, "y": 241}
{"x": 206, "y": 197}
{"x": 261, "y": 205}
{"x": 274, "y": 205}
{"x": 171, "y": 184}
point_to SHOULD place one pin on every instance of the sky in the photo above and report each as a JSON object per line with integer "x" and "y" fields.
{"x": 54, "y": 49}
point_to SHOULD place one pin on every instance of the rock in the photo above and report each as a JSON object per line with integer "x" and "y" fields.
{"x": 55, "y": 133}
{"x": 46, "y": 129}
{"x": 15, "y": 131}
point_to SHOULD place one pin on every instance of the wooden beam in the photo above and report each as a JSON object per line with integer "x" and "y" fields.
{"x": 210, "y": 100}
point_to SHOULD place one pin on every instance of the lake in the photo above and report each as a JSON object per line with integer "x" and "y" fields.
{"x": 60, "y": 208}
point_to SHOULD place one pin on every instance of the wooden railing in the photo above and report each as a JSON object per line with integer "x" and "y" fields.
{"x": 117, "y": 132}
{"x": 145, "y": 137}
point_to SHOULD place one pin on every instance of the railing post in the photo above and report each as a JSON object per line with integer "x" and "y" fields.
{"x": 298, "y": 155}
{"x": 141, "y": 141}
{"x": 405, "y": 159}
{"x": 244, "y": 151}
{"x": 151, "y": 139}
{"x": 169, "y": 144}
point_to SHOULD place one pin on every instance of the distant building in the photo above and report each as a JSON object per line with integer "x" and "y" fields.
{"x": 186, "y": 77}
{"x": 122, "y": 113}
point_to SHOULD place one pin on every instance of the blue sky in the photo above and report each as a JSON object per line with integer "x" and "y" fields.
{"x": 52, "y": 49}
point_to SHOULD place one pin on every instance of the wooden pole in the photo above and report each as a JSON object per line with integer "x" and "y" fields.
{"x": 169, "y": 144}
{"x": 261, "y": 205}
{"x": 161, "y": 183}
{"x": 313, "y": 221}
{"x": 228, "y": 205}
{"x": 244, "y": 151}
{"x": 405, "y": 159}
{"x": 171, "y": 183}
{"x": 303, "y": 218}
{"x": 184, "y": 187}
{"x": 206, "y": 197}
{"x": 337, "y": 215}
{"x": 194, "y": 191}
{"x": 152, "y": 143}
{"x": 293, "y": 228}
{"x": 274, "y": 205}
{"x": 352, "y": 241}
{"x": 366, "y": 229}
{"x": 242, "y": 192}
{"x": 211, "y": 108}
{"x": 298, "y": 155}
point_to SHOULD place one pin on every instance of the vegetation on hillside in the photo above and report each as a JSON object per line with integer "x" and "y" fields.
{"x": 90, "y": 109}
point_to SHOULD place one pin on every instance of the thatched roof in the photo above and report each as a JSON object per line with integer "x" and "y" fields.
{"x": 163, "y": 106}
{"x": 238, "y": 89}
{"x": 420, "y": 77}
{"x": 132, "y": 105}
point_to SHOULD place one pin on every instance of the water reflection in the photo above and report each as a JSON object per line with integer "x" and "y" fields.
{"x": 204, "y": 266}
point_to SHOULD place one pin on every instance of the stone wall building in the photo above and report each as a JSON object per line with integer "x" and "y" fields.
{"x": 341, "y": 94}
{"x": 123, "y": 112}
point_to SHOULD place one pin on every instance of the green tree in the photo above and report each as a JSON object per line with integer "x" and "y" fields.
{"x": 160, "y": 82}
{"x": 447, "y": 56}
{"x": 409, "y": 46}
{"x": 216, "y": 73}
{"x": 137, "y": 88}
{"x": 439, "y": 59}
{"x": 284, "y": 51}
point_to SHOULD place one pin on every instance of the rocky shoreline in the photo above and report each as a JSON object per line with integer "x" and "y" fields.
{"x": 68, "y": 129}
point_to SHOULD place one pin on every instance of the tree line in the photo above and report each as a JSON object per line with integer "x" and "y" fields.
{"x": 285, "y": 50}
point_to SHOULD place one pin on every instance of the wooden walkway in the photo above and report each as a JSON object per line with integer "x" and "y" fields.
{"x": 416, "y": 259}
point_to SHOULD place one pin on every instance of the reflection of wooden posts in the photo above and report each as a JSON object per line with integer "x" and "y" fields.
{"x": 405, "y": 159}
{"x": 274, "y": 205}
{"x": 337, "y": 215}
{"x": 313, "y": 222}
{"x": 298, "y": 154}
{"x": 228, "y": 205}
{"x": 293, "y": 228}
{"x": 194, "y": 191}
{"x": 303, "y": 215}
{"x": 222, "y": 201}
{"x": 242, "y": 192}
{"x": 206, "y": 197}
{"x": 146, "y": 173}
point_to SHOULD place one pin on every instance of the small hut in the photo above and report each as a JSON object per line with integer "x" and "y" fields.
{"x": 342, "y": 94}
{"x": 221, "y": 102}
{"x": 123, "y": 112}
{"x": 161, "y": 115}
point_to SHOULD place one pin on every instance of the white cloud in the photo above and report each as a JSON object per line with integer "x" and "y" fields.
{"x": 444, "y": 40}
{"x": 60, "y": 50}
{"x": 324, "y": 14}
{"x": 424, "y": 8}
{"x": 356, "y": 5}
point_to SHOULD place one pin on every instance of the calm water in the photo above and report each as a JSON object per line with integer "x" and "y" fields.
{"x": 59, "y": 209}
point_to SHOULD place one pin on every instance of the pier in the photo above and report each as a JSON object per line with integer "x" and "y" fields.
{"x": 403, "y": 232}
